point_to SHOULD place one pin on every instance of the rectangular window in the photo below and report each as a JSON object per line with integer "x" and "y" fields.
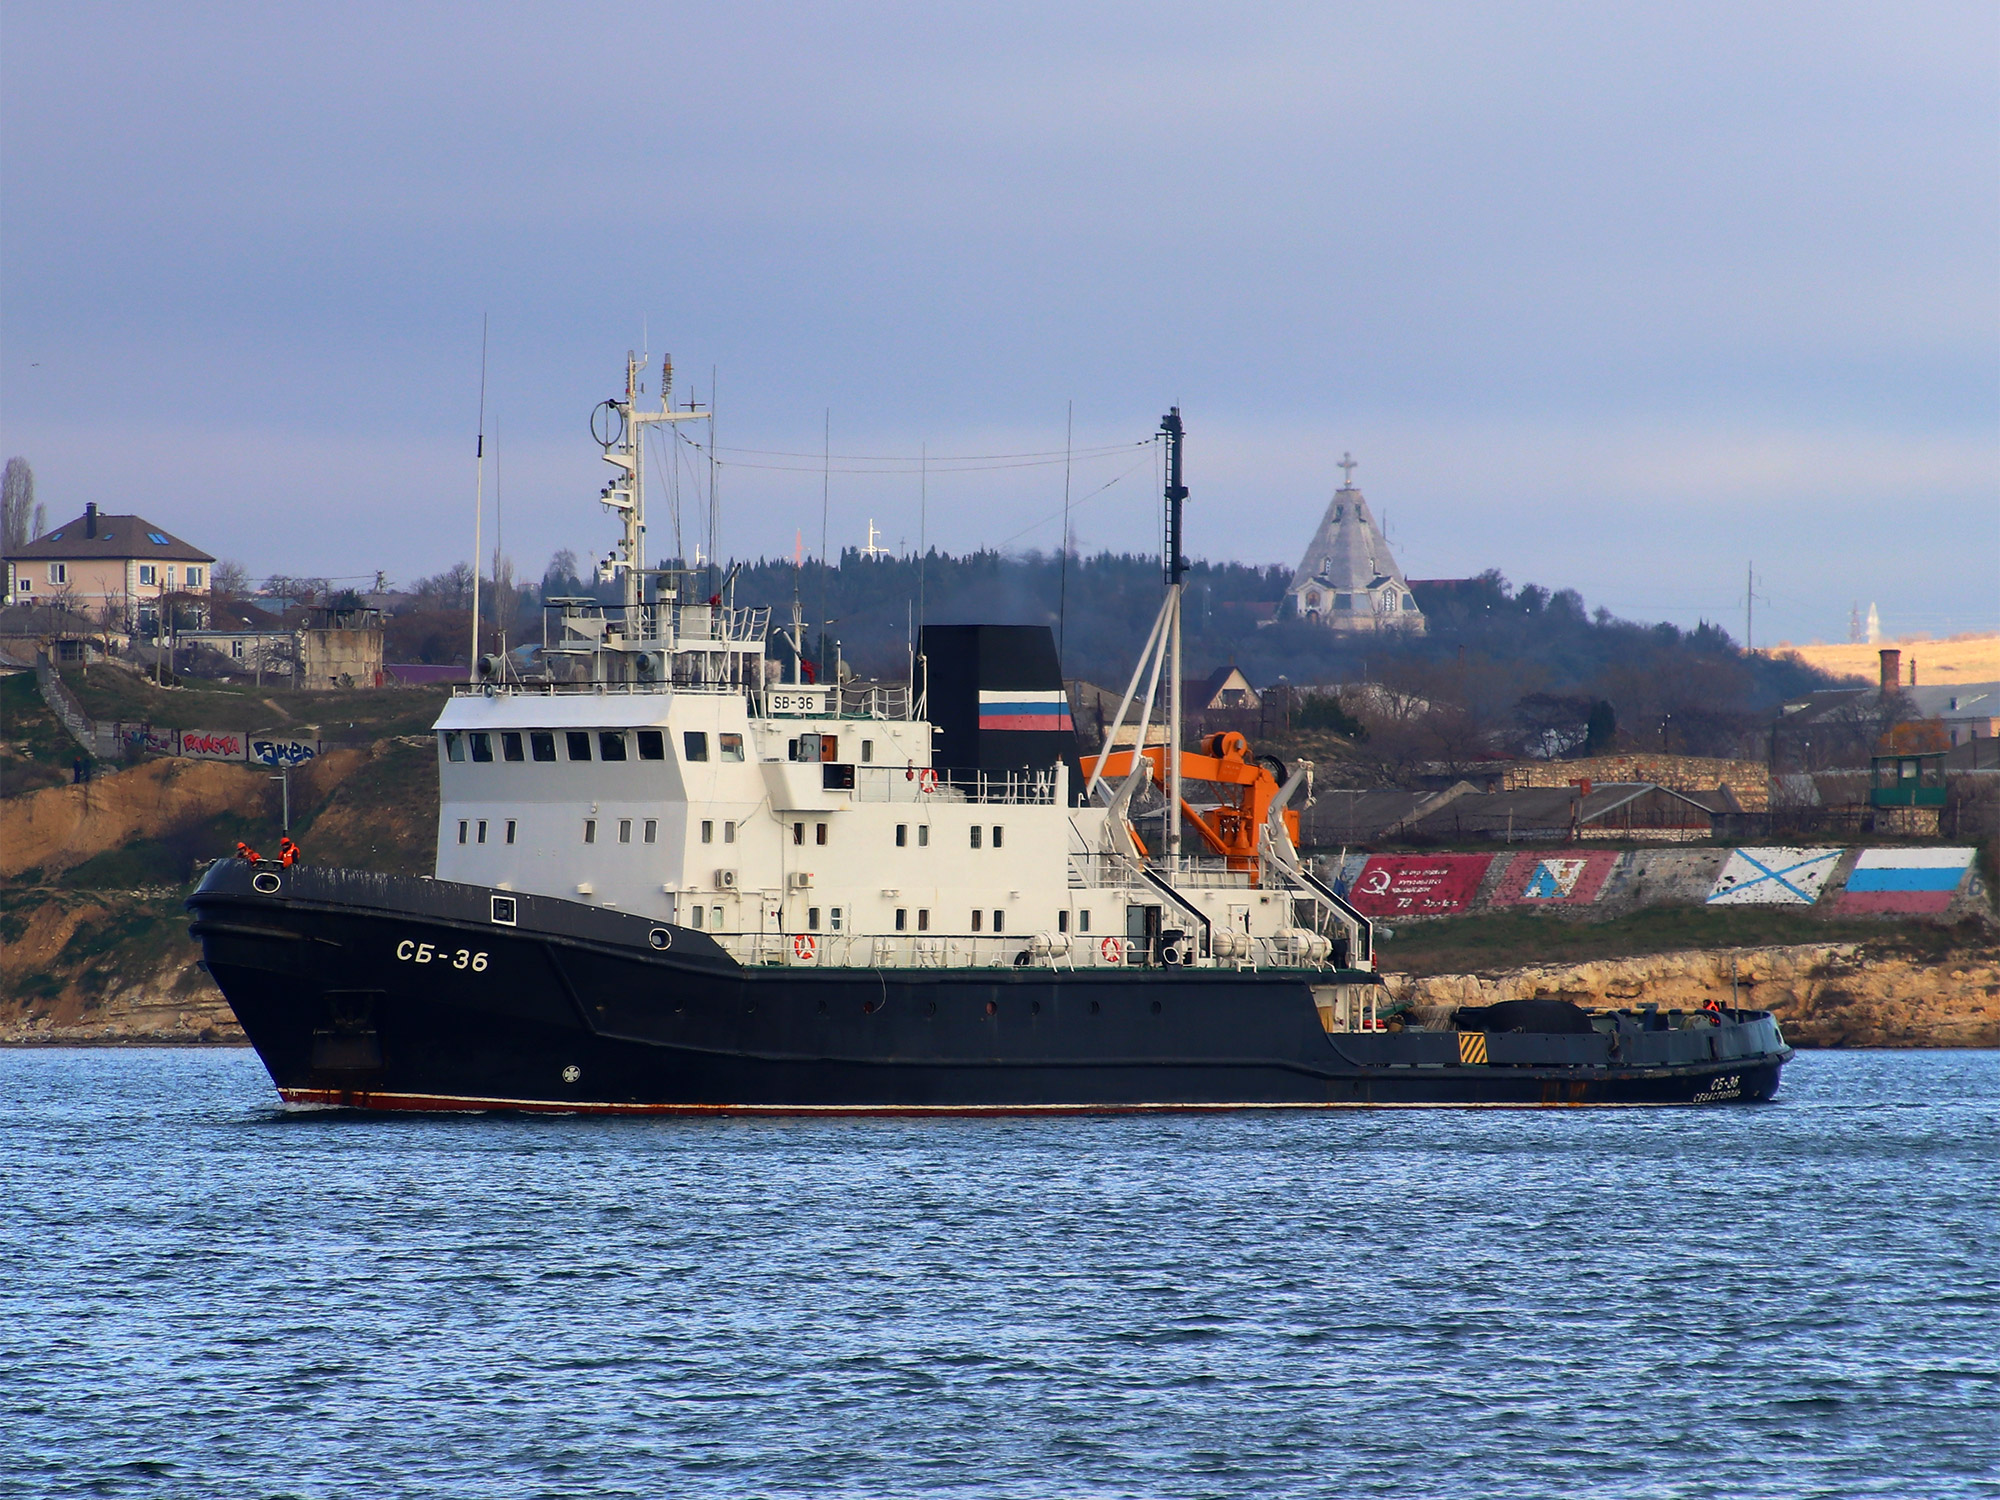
{"x": 652, "y": 830}
{"x": 510, "y": 746}
{"x": 652, "y": 745}
{"x": 902, "y": 918}
{"x": 867, "y": 752}
{"x": 732, "y": 746}
{"x": 798, "y": 833}
{"x": 611, "y": 744}
{"x": 482, "y": 830}
{"x": 715, "y": 918}
{"x": 59, "y": 572}
{"x": 923, "y": 919}
{"x": 694, "y": 744}
{"x": 454, "y": 745}
{"x": 462, "y": 826}
{"x": 902, "y": 834}
{"x": 729, "y": 833}
{"x": 624, "y": 830}
{"x": 977, "y": 918}
{"x": 579, "y": 744}
{"x": 510, "y": 830}
{"x": 923, "y": 835}
{"x": 819, "y": 833}
{"x": 236, "y": 649}
{"x": 169, "y": 575}
{"x": 694, "y": 917}
{"x": 590, "y": 830}
{"x": 977, "y": 831}
{"x": 999, "y": 921}
{"x": 194, "y": 578}
{"x": 542, "y": 744}
{"x": 482, "y": 746}
{"x": 997, "y": 831}
{"x": 833, "y": 919}
{"x": 812, "y": 919}
{"x": 1083, "y": 921}
{"x": 148, "y": 575}
{"x": 707, "y": 831}
{"x": 1062, "y": 921}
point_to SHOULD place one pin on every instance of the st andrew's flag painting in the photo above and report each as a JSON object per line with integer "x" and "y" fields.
{"x": 1905, "y": 880}
{"x": 1031, "y": 710}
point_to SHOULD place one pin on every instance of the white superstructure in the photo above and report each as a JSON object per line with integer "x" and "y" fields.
{"x": 657, "y": 768}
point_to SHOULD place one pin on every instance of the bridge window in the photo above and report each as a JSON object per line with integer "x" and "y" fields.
{"x": 812, "y": 919}
{"x": 590, "y": 830}
{"x": 624, "y": 830}
{"x": 732, "y": 746}
{"x": 923, "y": 919}
{"x": 694, "y": 744}
{"x": 482, "y": 747}
{"x": 611, "y": 744}
{"x": 510, "y": 746}
{"x": 454, "y": 745}
{"x": 978, "y": 917}
{"x": 462, "y": 826}
{"x": 819, "y": 833}
{"x": 902, "y": 918}
{"x": 977, "y": 834}
{"x": 542, "y": 744}
{"x": 833, "y": 919}
{"x": 729, "y": 833}
{"x": 707, "y": 831}
{"x": 923, "y": 835}
{"x": 652, "y": 745}
{"x": 510, "y": 830}
{"x": 652, "y": 830}
{"x": 867, "y": 751}
{"x": 1062, "y": 921}
{"x": 579, "y": 744}
{"x": 482, "y": 830}
{"x": 1083, "y": 921}
{"x": 999, "y": 921}
{"x": 997, "y": 832}
{"x": 694, "y": 917}
{"x": 902, "y": 834}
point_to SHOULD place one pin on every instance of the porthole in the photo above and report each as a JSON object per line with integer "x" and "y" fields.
{"x": 822, "y": 1007}
{"x": 660, "y": 939}
{"x": 265, "y": 882}
{"x": 1034, "y": 1007}
{"x": 1156, "y": 1007}
{"x": 992, "y": 1007}
{"x": 1094, "y": 1007}
{"x": 930, "y": 1007}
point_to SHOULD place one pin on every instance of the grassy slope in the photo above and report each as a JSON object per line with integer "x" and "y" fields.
{"x": 360, "y": 714}
{"x": 1457, "y": 945}
{"x": 35, "y": 750}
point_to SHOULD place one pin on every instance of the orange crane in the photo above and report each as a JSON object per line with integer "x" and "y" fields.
{"x": 1232, "y": 829}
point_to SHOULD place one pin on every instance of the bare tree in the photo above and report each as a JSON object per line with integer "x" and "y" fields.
{"x": 228, "y": 579}
{"x": 21, "y": 520}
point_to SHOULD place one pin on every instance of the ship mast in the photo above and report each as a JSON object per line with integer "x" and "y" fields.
{"x": 625, "y": 449}
{"x": 1175, "y": 561}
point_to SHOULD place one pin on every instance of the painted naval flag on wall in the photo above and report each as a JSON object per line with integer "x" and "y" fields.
{"x": 1569, "y": 877}
{"x": 1905, "y": 880}
{"x": 1773, "y": 877}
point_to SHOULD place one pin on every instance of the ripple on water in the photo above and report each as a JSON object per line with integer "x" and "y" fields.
{"x": 211, "y": 1294}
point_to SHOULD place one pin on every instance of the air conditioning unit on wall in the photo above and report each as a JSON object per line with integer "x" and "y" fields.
{"x": 725, "y": 880}
{"x": 802, "y": 880}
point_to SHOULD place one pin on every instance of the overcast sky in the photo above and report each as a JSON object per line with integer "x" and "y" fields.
{"x": 1610, "y": 297}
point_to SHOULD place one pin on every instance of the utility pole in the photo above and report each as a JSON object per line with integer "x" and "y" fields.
{"x": 1749, "y": 607}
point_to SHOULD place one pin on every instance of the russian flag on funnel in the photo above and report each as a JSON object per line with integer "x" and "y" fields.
{"x": 1024, "y": 710}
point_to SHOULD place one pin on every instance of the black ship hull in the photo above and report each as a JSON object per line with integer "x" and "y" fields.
{"x": 385, "y": 992}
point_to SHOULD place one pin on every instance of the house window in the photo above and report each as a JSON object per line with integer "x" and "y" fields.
{"x": 652, "y": 830}
{"x": 462, "y": 826}
{"x": 579, "y": 744}
{"x": 624, "y": 830}
{"x": 707, "y": 831}
{"x": 510, "y": 745}
{"x": 611, "y": 744}
{"x": 694, "y": 744}
{"x": 542, "y": 744}
{"x": 977, "y": 834}
{"x": 812, "y": 919}
{"x": 902, "y": 918}
{"x": 923, "y": 919}
{"x": 59, "y": 573}
{"x": 194, "y": 578}
{"x": 819, "y": 833}
{"x": 652, "y": 745}
{"x": 510, "y": 830}
{"x": 902, "y": 834}
{"x": 236, "y": 650}
{"x": 454, "y": 745}
{"x": 169, "y": 575}
{"x": 978, "y": 917}
{"x": 482, "y": 830}
{"x": 590, "y": 830}
{"x": 148, "y": 574}
{"x": 482, "y": 746}
{"x": 732, "y": 746}
{"x": 27, "y": 585}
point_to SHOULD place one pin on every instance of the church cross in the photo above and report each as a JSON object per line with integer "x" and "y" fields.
{"x": 1347, "y": 466}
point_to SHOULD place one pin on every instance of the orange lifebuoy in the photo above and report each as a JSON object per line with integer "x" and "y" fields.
{"x": 1113, "y": 950}
{"x": 927, "y": 780}
{"x": 804, "y": 945}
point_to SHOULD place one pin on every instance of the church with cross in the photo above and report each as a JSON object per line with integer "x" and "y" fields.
{"x": 1347, "y": 579}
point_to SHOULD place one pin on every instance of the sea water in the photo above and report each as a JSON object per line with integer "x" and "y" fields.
{"x": 202, "y": 1293}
